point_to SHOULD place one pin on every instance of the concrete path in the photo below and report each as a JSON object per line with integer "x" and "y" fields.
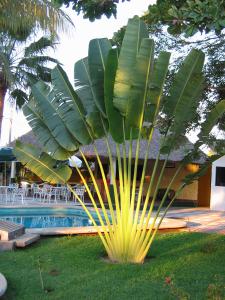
{"x": 201, "y": 219}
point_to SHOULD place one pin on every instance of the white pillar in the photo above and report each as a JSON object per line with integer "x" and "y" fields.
{"x": 13, "y": 170}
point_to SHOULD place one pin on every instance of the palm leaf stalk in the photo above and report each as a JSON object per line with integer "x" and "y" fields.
{"x": 122, "y": 102}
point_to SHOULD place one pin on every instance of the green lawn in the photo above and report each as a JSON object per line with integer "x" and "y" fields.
{"x": 181, "y": 266}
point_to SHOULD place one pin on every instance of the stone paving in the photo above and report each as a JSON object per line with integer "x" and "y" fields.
{"x": 201, "y": 219}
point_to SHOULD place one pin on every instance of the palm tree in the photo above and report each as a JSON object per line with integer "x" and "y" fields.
{"x": 19, "y": 15}
{"x": 21, "y": 63}
{"x": 119, "y": 96}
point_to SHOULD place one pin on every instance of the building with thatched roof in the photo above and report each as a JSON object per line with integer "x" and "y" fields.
{"x": 196, "y": 194}
{"x": 88, "y": 150}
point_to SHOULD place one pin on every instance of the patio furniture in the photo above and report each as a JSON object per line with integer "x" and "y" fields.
{"x": 9, "y": 193}
{"x": 41, "y": 192}
{"x": 65, "y": 193}
{"x": 17, "y": 193}
{"x": 37, "y": 192}
{"x": 54, "y": 193}
{"x": 4, "y": 193}
{"x": 79, "y": 190}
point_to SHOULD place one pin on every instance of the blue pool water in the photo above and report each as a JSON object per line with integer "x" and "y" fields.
{"x": 46, "y": 217}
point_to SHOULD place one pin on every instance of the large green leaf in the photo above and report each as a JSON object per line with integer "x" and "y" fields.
{"x": 41, "y": 164}
{"x": 85, "y": 90}
{"x": 183, "y": 99}
{"x": 114, "y": 117}
{"x": 83, "y": 85}
{"x": 69, "y": 106}
{"x": 181, "y": 88}
{"x": 211, "y": 120}
{"x": 51, "y": 118}
{"x": 97, "y": 56}
{"x": 98, "y": 124}
{"x": 43, "y": 134}
{"x": 140, "y": 84}
{"x": 156, "y": 86}
{"x": 135, "y": 32}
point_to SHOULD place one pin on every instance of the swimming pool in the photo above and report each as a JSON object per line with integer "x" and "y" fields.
{"x": 47, "y": 217}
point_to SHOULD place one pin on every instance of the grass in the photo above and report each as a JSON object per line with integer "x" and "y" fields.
{"x": 181, "y": 266}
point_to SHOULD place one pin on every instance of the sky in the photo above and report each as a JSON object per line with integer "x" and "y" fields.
{"x": 73, "y": 47}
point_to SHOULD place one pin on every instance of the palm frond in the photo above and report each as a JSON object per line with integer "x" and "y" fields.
{"x": 212, "y": 118}
{"x": 97, "y": 55}
{"x": 16, "y": 16}
{"x": 42, "y": 164}
{"x": 140, "y": 84}
{"x": 38, "y": 47}
{"x": 115, "y": 119}
{"x": 85, "y": 91}
{"x": 44, "y": 136}
{"x": 19, "y": 96}
{"x": 183, "y": 97}
{"x": 156, "y": 86}
{"x": 136, "y": 31}
{"x": 69, "y": 106}
{"x": 5, "y": 69}
{"x": 32, "y": 62}
{"x": 53, "y": 120}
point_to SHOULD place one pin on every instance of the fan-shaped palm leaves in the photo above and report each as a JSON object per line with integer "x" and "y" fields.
{"x": 19, "y": 16}
{"x": 120, "y": 95}
{"x": 22, "y": 65}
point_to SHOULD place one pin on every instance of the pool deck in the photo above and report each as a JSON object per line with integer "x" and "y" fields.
{"x": 185, "y": 219}
{"x": 200, "y": 219}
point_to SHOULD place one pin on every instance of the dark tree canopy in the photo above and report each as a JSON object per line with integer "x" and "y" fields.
{"x": 189, "y": 17}
{"x": 93, "y": 9}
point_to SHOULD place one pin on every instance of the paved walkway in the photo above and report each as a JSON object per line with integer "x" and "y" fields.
{"x": 201, "y": 219}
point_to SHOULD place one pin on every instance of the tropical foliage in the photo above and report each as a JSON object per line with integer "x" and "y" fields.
{"x": 175, "y": 34}
{"x": 119, "y": 96}
{"x": 177, "y": 22}
{"x": 189, "y": 16}
{"x": 19, "y": 16}
{"x": 22, "y": 63}
{"x": 92, "y": 9}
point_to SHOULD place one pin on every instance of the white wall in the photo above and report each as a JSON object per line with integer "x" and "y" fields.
{"x": 217, "y": 201}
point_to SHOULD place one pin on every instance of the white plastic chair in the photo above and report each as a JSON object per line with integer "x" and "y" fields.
{"x": 18, "y": 192}
{"x": 54, "y": 193}
{"x": 79, "y": 190}
{"x": 65, "y": 193}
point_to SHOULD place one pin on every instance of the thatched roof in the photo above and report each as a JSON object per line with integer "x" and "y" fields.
{"x": 100, "y": 144}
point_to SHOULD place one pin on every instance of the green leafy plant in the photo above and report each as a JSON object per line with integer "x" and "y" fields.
{"x": 92, "y": 9}
{"x": 19, "y": 17}
{"x": 189, "y": 16}
{"x": 23, "y": 62}
{"x": 119, "y": 96}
